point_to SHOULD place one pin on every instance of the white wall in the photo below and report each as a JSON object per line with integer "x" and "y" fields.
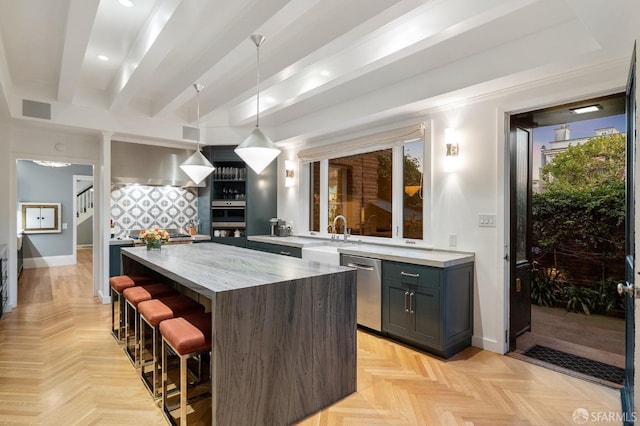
{"x": 479, "y": 185}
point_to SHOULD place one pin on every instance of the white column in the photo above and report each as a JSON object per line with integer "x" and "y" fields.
{"x": 102, "y": 213}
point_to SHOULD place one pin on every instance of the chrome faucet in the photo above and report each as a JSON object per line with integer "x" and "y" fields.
{"x": 346, "y": 230}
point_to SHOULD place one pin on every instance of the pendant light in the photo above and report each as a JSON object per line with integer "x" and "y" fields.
{"x": 257, "y": 150}
{"x": 197, "y": 167}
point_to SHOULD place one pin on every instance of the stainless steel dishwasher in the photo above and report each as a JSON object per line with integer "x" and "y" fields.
{"x": 369, "y": 285}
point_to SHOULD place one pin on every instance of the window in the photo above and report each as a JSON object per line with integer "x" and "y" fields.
{"x": 413, "y": 183}
{"x": 360, "y": 190}
{"x": 314, "y": 201}
{"x": 381, "y": 193}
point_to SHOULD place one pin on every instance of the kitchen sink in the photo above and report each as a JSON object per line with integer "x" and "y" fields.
{"x": 326, "y": 253}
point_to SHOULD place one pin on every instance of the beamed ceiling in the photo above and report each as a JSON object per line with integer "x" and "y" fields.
{"x": 326, "y": 66}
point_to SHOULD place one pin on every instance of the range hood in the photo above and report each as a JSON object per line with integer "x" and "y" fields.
{"x": 149, "y": 165}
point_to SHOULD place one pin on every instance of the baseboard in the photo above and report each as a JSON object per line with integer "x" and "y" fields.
{"x": 487, "y": 344}
{"x": 45, "y": 262}
{"x": 104, "y": 299}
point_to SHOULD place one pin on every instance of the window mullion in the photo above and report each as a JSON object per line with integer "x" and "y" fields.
{"x": 324, "y": 196}
{"x": 398, "y": 191}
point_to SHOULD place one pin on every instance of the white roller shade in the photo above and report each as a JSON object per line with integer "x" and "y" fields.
{"x": 361, "y": 144}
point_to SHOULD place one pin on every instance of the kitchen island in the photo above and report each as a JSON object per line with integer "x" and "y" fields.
{"x": 284, "y": 329}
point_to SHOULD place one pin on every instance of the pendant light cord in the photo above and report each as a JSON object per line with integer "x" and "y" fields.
{"x": 258, "y": 85}
{"x": 198, "y": 88}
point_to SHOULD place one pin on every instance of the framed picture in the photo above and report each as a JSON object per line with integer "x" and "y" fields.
{"x": 40, "y": 218}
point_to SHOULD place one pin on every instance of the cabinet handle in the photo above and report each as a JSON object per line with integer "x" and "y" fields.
{"x": 360, "y": 266}
{"x": 411, "y": 311}
{"x": 406, "y": 309}
{"x": 406, "y": 274}
{"x": 285, "y": 253}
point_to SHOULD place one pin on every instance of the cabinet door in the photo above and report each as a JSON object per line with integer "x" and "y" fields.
{"x": 426, "y": 320}
{"x": 32, "y": 218}
{"x": 395, "y": 309}
{"x": 47, "y": 218}
{"x": 114, "y": 260}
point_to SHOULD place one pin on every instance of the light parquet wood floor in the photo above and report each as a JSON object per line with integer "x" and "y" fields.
{"x": 59, "y": 365}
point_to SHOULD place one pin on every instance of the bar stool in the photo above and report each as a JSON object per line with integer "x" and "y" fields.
{"x": 186, "y": 337}
{"x": 133, "y": 296}
{"x": 118, "y": 284}
{"x": 152, "y": 313}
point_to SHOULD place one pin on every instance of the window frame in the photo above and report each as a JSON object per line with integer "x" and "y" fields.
{"x": 397, "y": 189}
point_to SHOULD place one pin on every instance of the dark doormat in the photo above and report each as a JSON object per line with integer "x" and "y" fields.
{"x": 577, "y": 363}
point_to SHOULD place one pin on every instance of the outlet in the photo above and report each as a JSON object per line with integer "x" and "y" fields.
{"x": 453, "y": 240}
{"x": 487, "y": 220}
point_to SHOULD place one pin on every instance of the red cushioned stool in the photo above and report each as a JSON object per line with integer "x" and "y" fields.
{"x": 185, "y": 337}
{"x": 133, "y": 296}
{"x": 152, "y": 313}
{"x": 118, "y": 284}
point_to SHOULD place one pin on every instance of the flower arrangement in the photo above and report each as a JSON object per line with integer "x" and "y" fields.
{"x": 154, "y": 238}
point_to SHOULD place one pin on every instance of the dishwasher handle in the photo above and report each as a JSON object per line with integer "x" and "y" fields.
{"x": 360, "y": 266}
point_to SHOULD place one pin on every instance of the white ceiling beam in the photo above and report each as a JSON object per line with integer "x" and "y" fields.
{"x": 5, "y": 82}
{"x": 80, "y": 19}
{"x": 291, "y": 46}
{"x": 157, "y": 38}
{"x": 419, "y": 30}
{"x": 221, "y": 57}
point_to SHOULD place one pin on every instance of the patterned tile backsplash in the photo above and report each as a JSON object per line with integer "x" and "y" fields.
{"x": 135, "y": 207}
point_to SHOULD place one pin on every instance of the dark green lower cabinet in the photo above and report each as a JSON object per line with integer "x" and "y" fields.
{"x": 114, "y": 260}
{"x": 430, "y": 308}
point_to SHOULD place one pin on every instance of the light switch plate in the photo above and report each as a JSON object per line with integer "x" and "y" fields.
{"x": 453, "y": 240}
{"x": 487, "y": 220}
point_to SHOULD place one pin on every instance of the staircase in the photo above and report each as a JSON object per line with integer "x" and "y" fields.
{"x": 84, "y": 204}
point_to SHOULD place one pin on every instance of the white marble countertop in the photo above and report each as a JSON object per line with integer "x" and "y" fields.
{"x": 291, "y": 241}
{"x": 210, "y": 268}
{"x": 415, "y": 255}
{"x": 134, "y": 241}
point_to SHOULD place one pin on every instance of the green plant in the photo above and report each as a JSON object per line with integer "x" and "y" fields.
{"x": 579, "y": 298}
{"x": 607, "y": 297}
{"x": 544, "y": 285}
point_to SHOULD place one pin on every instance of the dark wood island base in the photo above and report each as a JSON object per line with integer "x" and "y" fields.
{"x": 284, "y": 329}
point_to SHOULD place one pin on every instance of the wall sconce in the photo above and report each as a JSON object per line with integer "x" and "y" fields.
{"x": 451, "y": 156}
{"x": 452, "y": 150}
{"x": 451, "y": 138}
{"x": 288, "y": 173}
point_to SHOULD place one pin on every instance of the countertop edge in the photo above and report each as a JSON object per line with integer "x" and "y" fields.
{"x": 412, "y": 260}
{"x": 421, "y": 258}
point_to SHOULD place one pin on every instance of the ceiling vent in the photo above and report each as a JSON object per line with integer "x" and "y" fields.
{"x": 190, "y": 133}
{"x": 36, "y": 109}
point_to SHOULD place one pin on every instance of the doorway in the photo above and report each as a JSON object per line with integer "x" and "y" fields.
{"x": 52, "y": 182}
{"x": 564, "y": 310}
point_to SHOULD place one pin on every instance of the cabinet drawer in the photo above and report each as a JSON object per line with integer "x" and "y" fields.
{"x": 275, "y": 248}
{"x": 407, "y": 273}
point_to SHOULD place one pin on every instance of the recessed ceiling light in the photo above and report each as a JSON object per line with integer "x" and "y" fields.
{"x": 103, "y": 58}
{"x": 126, "y": 3}
{"x": 586, "y": 109}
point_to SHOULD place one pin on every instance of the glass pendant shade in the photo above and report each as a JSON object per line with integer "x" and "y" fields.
{"x": 197, "y": 167}
{"x": 257, "y": 150}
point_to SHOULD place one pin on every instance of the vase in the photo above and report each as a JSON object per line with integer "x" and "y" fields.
{"x": 154, "y": 245}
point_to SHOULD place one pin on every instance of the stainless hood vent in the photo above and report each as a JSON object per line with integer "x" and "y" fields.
{"x": 149, "y": 165}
